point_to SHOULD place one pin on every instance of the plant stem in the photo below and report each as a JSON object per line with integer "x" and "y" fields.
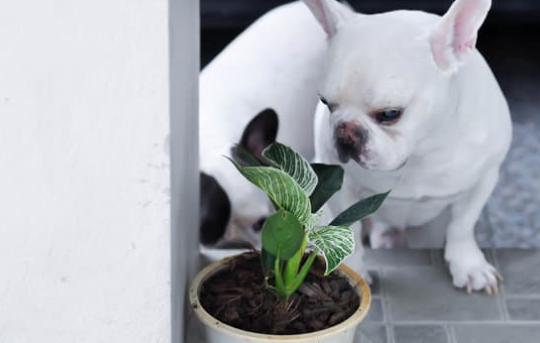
{"x": 291, "y": 269}
{"x": 302, "y": 274}
{"x": 280, "y": 286}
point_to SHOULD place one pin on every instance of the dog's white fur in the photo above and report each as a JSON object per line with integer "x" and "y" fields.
{"x": 276, "y": 63}
{"x": 446, "y": 150}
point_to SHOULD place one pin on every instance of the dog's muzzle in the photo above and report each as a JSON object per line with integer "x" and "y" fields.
{"x": 350, "y": 139}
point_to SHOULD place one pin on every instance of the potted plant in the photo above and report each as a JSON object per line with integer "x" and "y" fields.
{"x": 296, "y": 289}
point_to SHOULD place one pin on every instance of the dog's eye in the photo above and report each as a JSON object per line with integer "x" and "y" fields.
{"x": 388, "y": 116}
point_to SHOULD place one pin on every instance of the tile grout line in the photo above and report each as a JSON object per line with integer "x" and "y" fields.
{"x": 422, "y": 267}
{"x": 502, "y": 294}
{"x": 387, "y": 316}
{"x": 448, "y": 334}
{"x": 452, "y": 333}
{"x": 436, "y": 260}
{"x": 522, "y": 296}
{"x": 386, "y": 307}
{"x": 390, "y": 334}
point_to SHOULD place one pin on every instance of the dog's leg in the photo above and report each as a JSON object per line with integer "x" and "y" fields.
{"x": 383, "y": 236}
{"x": 467, "y": 263}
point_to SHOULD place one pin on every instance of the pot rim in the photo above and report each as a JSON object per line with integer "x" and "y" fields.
{"x": 358, "y": 283}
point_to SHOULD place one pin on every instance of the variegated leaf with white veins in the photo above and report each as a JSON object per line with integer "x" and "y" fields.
{"x": 281, "y": 188}
{"x": 314, "y": 220}
{"x": 335, "y": 243}
{"x": 293, "y": 164}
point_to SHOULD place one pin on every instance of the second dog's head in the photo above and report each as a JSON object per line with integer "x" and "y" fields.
{"x": 232, "y": 209}
{"x": 389, "y": 76}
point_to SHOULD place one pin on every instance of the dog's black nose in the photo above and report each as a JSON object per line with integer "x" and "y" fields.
{"x": 350, "y": 139}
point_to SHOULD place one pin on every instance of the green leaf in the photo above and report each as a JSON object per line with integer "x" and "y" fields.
{"x": 281, "y": 188}
{"x": 330, "y": 181}
{"x": 336, "y": 243}
{"x": 267, "y": 261}
{"x": 360, "y": 210}
{"x": 293, "y": 164}
{"x": 314, "y": 220}
{"x": 282, "y": 235}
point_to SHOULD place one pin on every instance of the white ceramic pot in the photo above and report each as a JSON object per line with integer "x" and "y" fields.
{"x": 216, "y": 331}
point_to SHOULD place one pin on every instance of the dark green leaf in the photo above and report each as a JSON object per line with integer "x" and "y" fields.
{"x": 360, "y": 210}
{"x": 330, "y": 181}
{"x": 282, "y": 235}
{"x": 267, "y": 261}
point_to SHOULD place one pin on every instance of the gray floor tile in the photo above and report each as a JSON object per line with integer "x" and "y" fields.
{"x": 397, "y": 258}
{"x": 497, "y": 333}
{"x": 524, "y": 309}
{"x": 376, "y": 312}
{"x": 490, "y": 255}
{"x": 376, "y": 283}
{"x": 520, "y": 271}
{"x": 432, "y": 235}
{"x": 368, "y": 333}
{"x": 427, "y": 294}
{"x": 420, "y": 334}
{"x": 438, "y": 256}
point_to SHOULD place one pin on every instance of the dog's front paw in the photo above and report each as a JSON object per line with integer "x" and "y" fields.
{"x": 470, "y": 270}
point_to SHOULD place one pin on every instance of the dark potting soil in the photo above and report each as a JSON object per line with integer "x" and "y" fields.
{"x": 237, "y": 297}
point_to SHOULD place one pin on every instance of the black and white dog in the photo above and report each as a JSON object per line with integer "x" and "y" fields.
{"x": 276, "y": 63}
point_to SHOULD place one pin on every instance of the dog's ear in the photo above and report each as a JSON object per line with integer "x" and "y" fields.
{"x": 330, "y": 14}
{"x": 454, "y": 37}
{"x": 215, "y": 210}
{"x": 260, "y": 132}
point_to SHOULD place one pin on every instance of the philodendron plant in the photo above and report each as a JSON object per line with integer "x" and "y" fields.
{"x": 299, "y": 190}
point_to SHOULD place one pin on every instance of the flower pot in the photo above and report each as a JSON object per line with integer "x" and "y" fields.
{"x": 216, "y": 331}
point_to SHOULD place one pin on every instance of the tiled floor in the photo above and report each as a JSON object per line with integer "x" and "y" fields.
{"x": 415, "y": 302}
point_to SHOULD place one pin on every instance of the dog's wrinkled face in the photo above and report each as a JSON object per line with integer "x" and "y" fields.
{"x": 389, "y": 75}
{"x": 380, "y": 89}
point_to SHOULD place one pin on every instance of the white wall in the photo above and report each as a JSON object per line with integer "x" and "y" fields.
{"x": 84, "y": 171}
{"x": 184, "y": 69}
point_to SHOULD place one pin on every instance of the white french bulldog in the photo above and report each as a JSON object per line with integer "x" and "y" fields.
{"x": 410, "y": 100}
{"x": 276, "y": 63}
